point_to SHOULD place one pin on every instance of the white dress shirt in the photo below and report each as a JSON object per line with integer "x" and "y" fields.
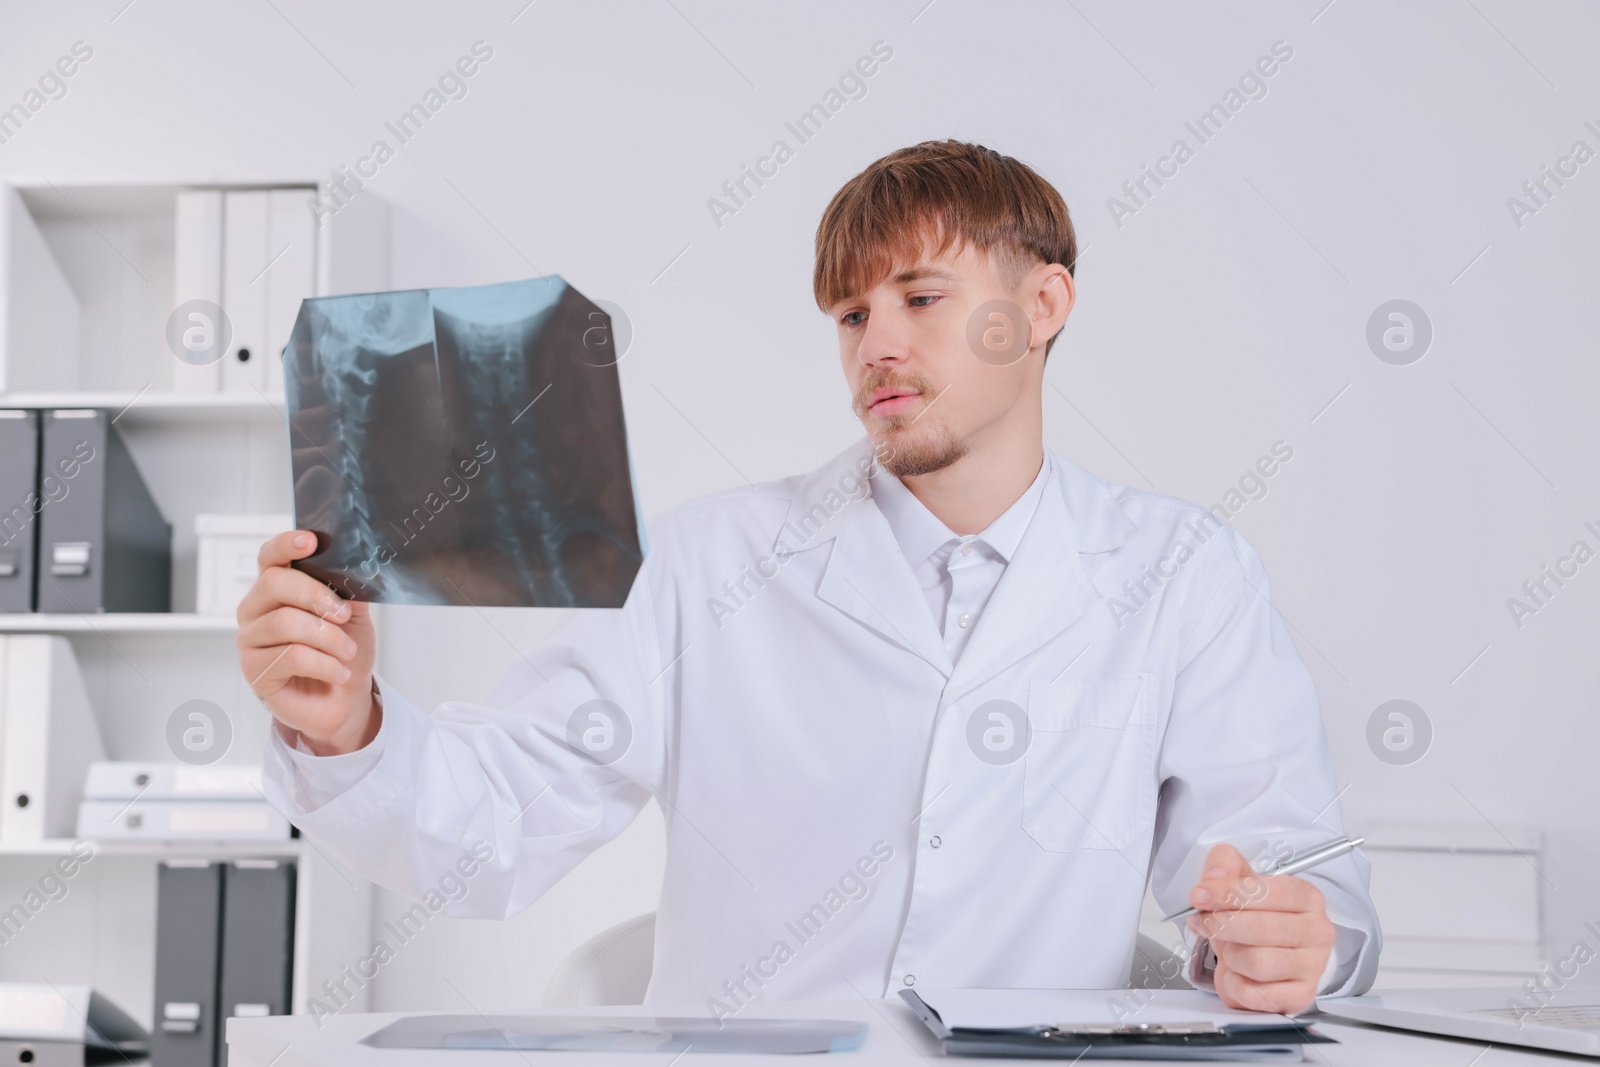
{"x": 957, "y": 574}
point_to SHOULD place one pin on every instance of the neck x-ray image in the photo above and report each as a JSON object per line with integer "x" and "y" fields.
{"x": 463, "y": 446}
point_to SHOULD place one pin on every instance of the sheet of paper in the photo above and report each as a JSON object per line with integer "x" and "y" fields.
{"x": 1011, "y": 1008}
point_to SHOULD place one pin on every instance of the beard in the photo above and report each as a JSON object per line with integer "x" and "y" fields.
{"x": 905, "y": 448}
{"x": 905, "y": 453}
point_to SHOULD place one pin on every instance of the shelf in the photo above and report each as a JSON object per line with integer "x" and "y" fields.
{"x": 117, "y": 623}
{"x": 293, "y": 846}
{"x": 151, "y": 406}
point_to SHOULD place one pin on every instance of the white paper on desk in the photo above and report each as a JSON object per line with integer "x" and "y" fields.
{"x": 1004, "y": 1009}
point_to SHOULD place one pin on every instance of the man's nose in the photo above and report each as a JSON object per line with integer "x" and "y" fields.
{"x": 884, "y": 342}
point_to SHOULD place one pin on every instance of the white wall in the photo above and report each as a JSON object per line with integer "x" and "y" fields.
{"x": 1223, "y": 316}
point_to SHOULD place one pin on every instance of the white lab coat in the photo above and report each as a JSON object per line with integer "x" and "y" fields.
{"x": 843, "y": 813}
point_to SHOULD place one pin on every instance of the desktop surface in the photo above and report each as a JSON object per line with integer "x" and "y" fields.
{"x": 894, "y": 1036}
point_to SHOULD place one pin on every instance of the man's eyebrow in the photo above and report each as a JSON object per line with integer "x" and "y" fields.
{"x": 921, "y": 271}
{"x": 911, "y": 274}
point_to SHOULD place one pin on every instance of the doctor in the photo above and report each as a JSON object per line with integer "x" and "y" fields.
{"x": 931, "y": 714}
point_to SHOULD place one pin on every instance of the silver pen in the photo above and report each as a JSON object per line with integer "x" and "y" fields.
{"x": 1295, "y": 864}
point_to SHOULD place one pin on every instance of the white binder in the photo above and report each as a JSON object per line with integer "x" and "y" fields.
{"x": 292, "y": 249}
{"x": 197, "y": 262}
{"x": 181, "y": 820}
{"x": 244, "y": 261}
{"x": 48, "y": 737}
{"x": 129, "y": 780}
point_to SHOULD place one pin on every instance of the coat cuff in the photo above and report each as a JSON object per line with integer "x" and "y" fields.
{"x": 310, "y": 789}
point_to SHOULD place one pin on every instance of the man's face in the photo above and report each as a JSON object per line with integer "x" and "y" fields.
{"x": 921, "y": 390}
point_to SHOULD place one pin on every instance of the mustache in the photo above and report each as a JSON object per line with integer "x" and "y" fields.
{"x": 910, "y": 382}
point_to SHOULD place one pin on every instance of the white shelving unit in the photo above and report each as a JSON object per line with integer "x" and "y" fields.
{"x": 63, "y": 846}
{"x": 112, "y": 247}
{"x": 151, "y": 406}
{"x": 176, "y": 622}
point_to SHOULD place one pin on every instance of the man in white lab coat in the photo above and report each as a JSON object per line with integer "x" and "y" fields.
{"x": 930, "y": 714}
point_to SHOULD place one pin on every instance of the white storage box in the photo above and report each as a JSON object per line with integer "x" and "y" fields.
{"x": 227, "y": 549}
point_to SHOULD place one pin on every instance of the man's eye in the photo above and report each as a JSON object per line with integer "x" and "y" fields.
{"x": 850, "y": 318}
{"x": 930, "y": 297}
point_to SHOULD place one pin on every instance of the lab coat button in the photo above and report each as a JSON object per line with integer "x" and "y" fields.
{"x": 935, "y": 841}
{"x": 965, "y": 620}
{"x": 910, "y": 979}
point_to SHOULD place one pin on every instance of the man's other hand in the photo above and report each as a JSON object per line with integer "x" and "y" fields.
{"x": 1271, "y": 935}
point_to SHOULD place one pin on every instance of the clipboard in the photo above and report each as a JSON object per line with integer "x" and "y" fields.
{"x": 1275, "y": 1038}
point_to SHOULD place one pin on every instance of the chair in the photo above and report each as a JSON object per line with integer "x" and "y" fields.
{"x": 613, "y": 967}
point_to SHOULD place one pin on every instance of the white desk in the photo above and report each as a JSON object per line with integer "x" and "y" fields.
{"x": 895, "y": 1037}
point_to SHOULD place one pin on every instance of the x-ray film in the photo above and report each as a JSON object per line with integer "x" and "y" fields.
{"x": 463, "y": 446}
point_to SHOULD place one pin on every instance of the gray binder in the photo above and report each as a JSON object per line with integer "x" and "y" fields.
{"x": 104, "y": 545}
{"x": 188, "y": 935}
{"x": 19, "y": 521}
{"x": 257, "y": 941}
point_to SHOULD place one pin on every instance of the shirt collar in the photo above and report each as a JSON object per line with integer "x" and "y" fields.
{"x": 920, "y": 533}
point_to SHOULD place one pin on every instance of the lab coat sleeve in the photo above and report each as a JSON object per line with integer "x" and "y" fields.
{"x": 505, "y": 788}
{"x": 318, "y": 779}
{"x": 1245, "y": 761}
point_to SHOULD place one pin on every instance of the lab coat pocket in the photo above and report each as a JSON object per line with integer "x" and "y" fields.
{"x": 1087, "y": 780}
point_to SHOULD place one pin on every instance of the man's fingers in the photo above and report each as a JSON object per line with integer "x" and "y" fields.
{"x": 1273, "y": 964}
{"x": 1250, "y": 927}
{"x": 281, "y": 586}
{"x": 269, "y": 668}
{"x": 1298, "y": 929}
{"x": 1284, "y": 998}
{"x": 1279, "y": 892}
{"x": 283, "y": 548}
{"x": 290, "y": 626}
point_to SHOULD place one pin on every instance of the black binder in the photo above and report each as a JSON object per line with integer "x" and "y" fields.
{"x": 188, "y": 935}
{"x": 1194, "y": 1041}
{"x": 257, "y": 941}
{"x": 19, "y": 521}
{"x": 104, "y": 545}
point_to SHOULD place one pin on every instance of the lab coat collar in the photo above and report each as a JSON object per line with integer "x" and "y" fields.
{"x": 1044, "y": 589}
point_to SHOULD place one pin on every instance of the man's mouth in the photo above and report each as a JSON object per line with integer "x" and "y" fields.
{"x": 892, "y": 400}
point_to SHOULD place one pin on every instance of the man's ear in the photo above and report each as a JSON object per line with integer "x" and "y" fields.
{"x": 1049, "y": 295}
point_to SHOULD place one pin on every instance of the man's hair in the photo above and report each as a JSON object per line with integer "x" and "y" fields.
{"x": 952, "y": 191}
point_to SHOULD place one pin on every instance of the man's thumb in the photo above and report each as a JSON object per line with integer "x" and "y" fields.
{"x": 1225, "y": 861}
